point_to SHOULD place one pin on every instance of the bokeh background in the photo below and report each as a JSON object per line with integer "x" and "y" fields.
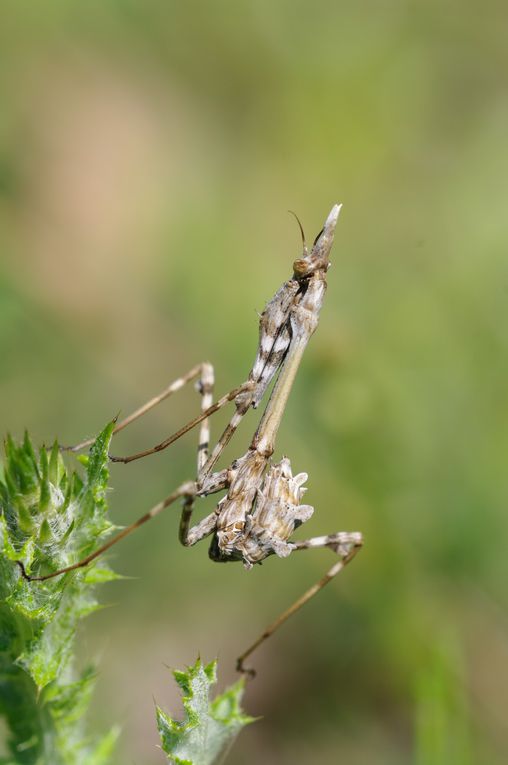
{"x": 149, "y": 152}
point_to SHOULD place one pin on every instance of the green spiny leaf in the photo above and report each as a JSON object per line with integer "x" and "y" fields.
{"x": 29, "y": 450}
{"x": 45, "y": 490}
{"x": 26, "y": 524}
{"x": 97, "y": 472}
{"x": 56, "y": 466}
{"x": 48, "y": 518}
{"x": 22, "y": 464}
{"x": 101, "y": 753}
{"x": 45, "y": 533}
{"x": 210, "y": 727}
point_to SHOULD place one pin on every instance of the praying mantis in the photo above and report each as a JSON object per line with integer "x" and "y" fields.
{"x": 262, "y": 505}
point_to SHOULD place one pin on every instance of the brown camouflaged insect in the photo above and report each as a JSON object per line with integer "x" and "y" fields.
{"x": 262, "y": 505}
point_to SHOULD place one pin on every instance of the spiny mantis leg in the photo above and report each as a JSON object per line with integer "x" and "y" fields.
{"x": 185, "y": 490}
{"x": 346, "y": 545}
{"x": 274, "y": 340}
{"x": 185, "y": 429}
{"x": 206, "y": 381}
{"x": 206, "y": 389}
{"x": 203, "y": 529}
{"x": 215, "y": 482}
{"x": 200, "y": 370}
{"x": 204, "y": 373}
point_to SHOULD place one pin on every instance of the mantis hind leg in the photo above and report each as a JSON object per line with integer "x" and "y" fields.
{"x": 346, "y": 545}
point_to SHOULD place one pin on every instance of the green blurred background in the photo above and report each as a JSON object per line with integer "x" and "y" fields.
{"x": 149, "y": 152}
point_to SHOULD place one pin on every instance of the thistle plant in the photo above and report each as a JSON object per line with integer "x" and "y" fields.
{"x": 210, "y": 727}
{"x": 51, "y": 516}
